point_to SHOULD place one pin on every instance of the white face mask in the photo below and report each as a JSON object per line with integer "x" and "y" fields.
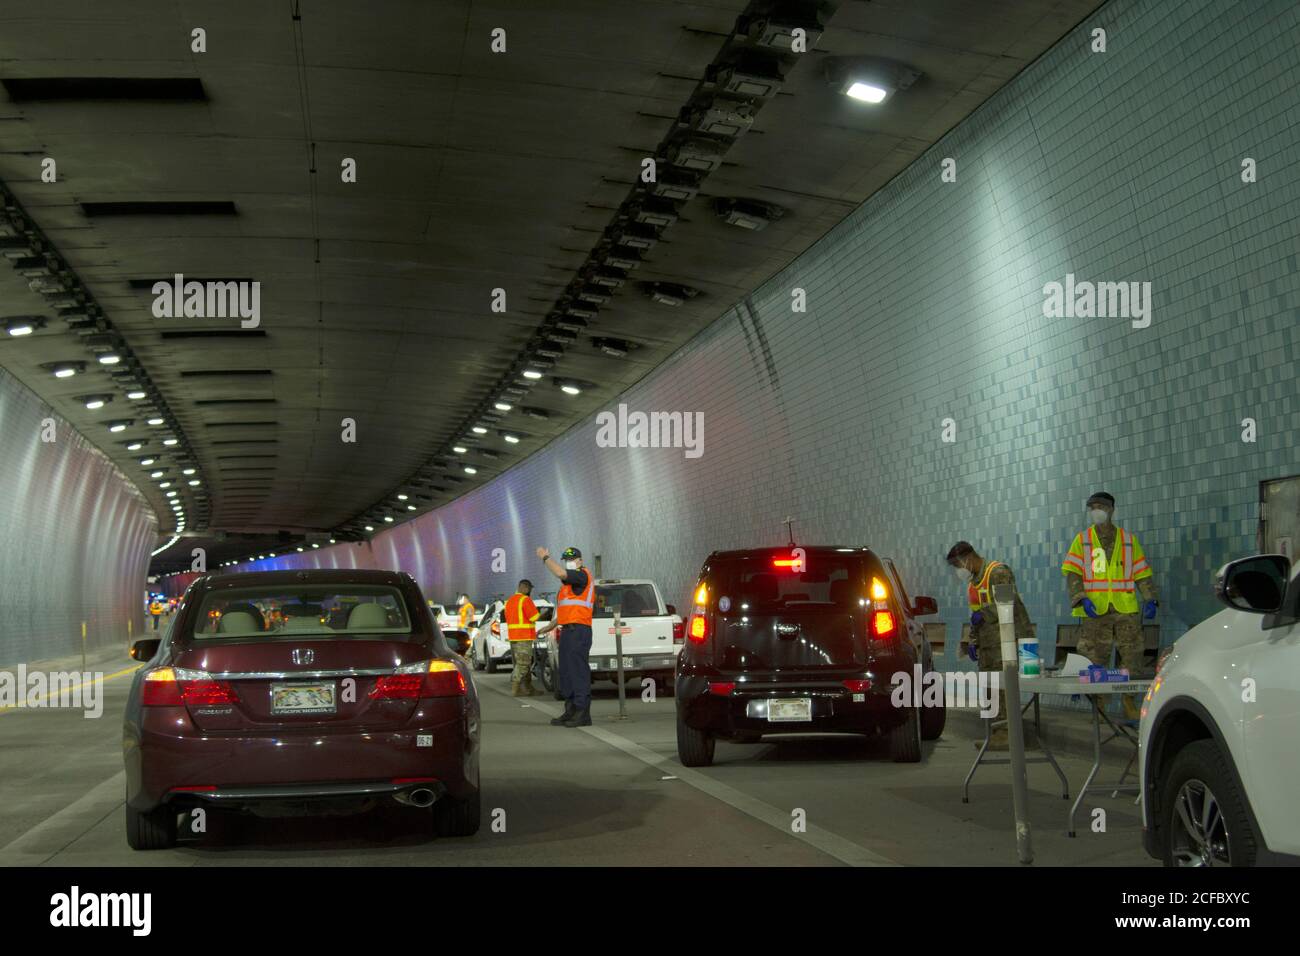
{"x": 571, "y": 565}
{"x": 1098, "y": 516}
{"x": 963, "y": 575}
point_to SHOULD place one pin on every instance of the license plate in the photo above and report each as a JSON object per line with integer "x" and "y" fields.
{"x": 627, "y": 663}
{"x": 800, "y": 708}
{"x": 593, "y": 664}
{"x": 303, "y": 699}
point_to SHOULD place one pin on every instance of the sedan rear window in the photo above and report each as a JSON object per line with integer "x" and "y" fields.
{"x": 302, "y": 611}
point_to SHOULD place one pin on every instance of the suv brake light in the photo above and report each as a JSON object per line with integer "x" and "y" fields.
{"x": 437, "y": 678}
{"x": 699, "y": 628}
{"x": 881, "y": 623}
{"x": 179, "y": 687}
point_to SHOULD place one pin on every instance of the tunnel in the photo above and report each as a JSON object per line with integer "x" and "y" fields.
{"x": 649, "y": 433}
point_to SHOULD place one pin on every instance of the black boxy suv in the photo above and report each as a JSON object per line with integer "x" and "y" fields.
{"x": 801, "y": 640}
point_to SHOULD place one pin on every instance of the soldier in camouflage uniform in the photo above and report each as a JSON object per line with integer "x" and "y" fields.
{"x": 980, "y": 576}
{"x": 1105, "y": 570}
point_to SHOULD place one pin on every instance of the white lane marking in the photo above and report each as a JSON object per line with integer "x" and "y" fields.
{"x": 61, "y": 829}
{"x": 846, "y": 851}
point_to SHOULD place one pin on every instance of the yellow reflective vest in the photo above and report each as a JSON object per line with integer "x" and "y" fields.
{"x": 1107, "y": 582}
{"x": 466, "y": 614}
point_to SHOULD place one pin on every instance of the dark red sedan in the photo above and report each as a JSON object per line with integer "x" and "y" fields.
{"x": 347, "y": 696}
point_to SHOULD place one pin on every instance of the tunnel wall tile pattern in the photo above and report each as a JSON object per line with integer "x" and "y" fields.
{"x": 926, "y": 304}
{"x": 76, "y": 538}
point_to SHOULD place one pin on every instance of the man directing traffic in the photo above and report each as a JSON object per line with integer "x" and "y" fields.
{"x": 573, "y": 607}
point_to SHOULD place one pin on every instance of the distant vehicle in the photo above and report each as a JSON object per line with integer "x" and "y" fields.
{"x": 489, "y": 646}
{"x": 653, "y": 633}
{"x": 1220, "y": 771}
{"x": 801, "y": 641}
{"x": 315, "y": 714}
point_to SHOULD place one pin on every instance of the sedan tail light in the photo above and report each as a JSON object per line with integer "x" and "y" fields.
{"x": 179, "y": 686}
{"x": 436, "y": 678}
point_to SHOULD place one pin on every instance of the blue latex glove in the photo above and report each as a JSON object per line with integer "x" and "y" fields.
{"x": 977, "y": 619}
{"x": 1149, "y": 610}
{"x": 1089, "y": 608}
{"x": 971, "y": 650}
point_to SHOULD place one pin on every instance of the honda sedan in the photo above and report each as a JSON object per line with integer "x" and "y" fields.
{"x": 347, "y": 697}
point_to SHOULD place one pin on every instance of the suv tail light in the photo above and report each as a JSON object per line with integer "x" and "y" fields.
{"x": 881, "y": 623}
{"x": 699, "y": 631}
{"x": 679, "y": 632}
{"x": 880, "y": 619}
{"x": 436, "y": 678}
{"x": 179, "y": 686}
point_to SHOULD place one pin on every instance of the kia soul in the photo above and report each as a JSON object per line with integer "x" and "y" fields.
{"x": 802, "y": 640}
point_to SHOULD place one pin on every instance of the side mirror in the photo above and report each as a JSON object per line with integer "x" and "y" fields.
{"x": 144, "y": 650}
{"x": 458, "y": 640}
{"x": 1255, "y": 585}
{"x": 925, "y": 605}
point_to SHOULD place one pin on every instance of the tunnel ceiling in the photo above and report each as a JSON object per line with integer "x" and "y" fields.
{"x": 475, "y": 171}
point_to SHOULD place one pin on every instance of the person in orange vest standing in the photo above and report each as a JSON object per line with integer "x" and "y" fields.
{"x": 466, "y": 612}
{"x": 980, "y": 575}
{"x": 155, "y": 611}
{"x": 1104, "y": 570}
{"x": 520, "y": 615}
{"x": 573, "y": 612}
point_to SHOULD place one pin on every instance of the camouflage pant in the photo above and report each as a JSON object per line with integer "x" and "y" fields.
{"x": 522, "y": 652}
{"x": 1099, "y": 634}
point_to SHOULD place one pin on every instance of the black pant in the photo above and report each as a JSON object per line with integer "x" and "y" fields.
{"x": 575, "y": 672}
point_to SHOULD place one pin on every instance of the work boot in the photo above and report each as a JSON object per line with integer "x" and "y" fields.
{"x": 580, "y": 718}
{"x": 514, "y": 689}
{"x": 1131, "y": 710}
{"x": 997, "y": 740}
{"x": 529, "y": 689}
{"x": 568, "y": 712}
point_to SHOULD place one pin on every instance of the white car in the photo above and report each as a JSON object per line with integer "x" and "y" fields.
{"x": 489, "y": 646}
{"x": 1219, "y": 765}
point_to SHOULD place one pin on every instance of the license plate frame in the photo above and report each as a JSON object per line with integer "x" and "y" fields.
{"x": 290, "y": 689}
{"x": 789, "y": 710}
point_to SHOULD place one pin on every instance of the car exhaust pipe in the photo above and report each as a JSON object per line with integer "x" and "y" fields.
{"x": 419, "y": 797}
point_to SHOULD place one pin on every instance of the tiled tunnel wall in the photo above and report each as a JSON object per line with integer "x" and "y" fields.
{"x": 927, "y": 303}
{"x": 76, "y": 538}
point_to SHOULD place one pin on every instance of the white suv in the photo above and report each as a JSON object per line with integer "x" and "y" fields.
{"x": 1219, "y": 762}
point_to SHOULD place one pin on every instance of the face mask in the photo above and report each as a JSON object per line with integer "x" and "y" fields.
{"x": 1098, "y": 516}
{"x": 963, "y": 575}
{"x": 571, "y": 565}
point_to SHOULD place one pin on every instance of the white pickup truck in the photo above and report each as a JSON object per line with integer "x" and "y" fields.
{"x": 653, "y": 634}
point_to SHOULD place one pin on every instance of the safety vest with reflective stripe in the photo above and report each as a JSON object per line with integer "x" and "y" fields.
{"x": 1107, "y": 583}
{"x": 155, "y": 608}
{"x": 520, "y": 616}
{"x": 574, "y": 608}
{"x": 466, "y": 614}
{"x": 977, "y": 592}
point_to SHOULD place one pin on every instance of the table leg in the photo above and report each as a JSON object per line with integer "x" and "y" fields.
{"x": 1038, "y": 728}
{"x": 1096, "y": 764}
{"x": 965, "y": 785}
